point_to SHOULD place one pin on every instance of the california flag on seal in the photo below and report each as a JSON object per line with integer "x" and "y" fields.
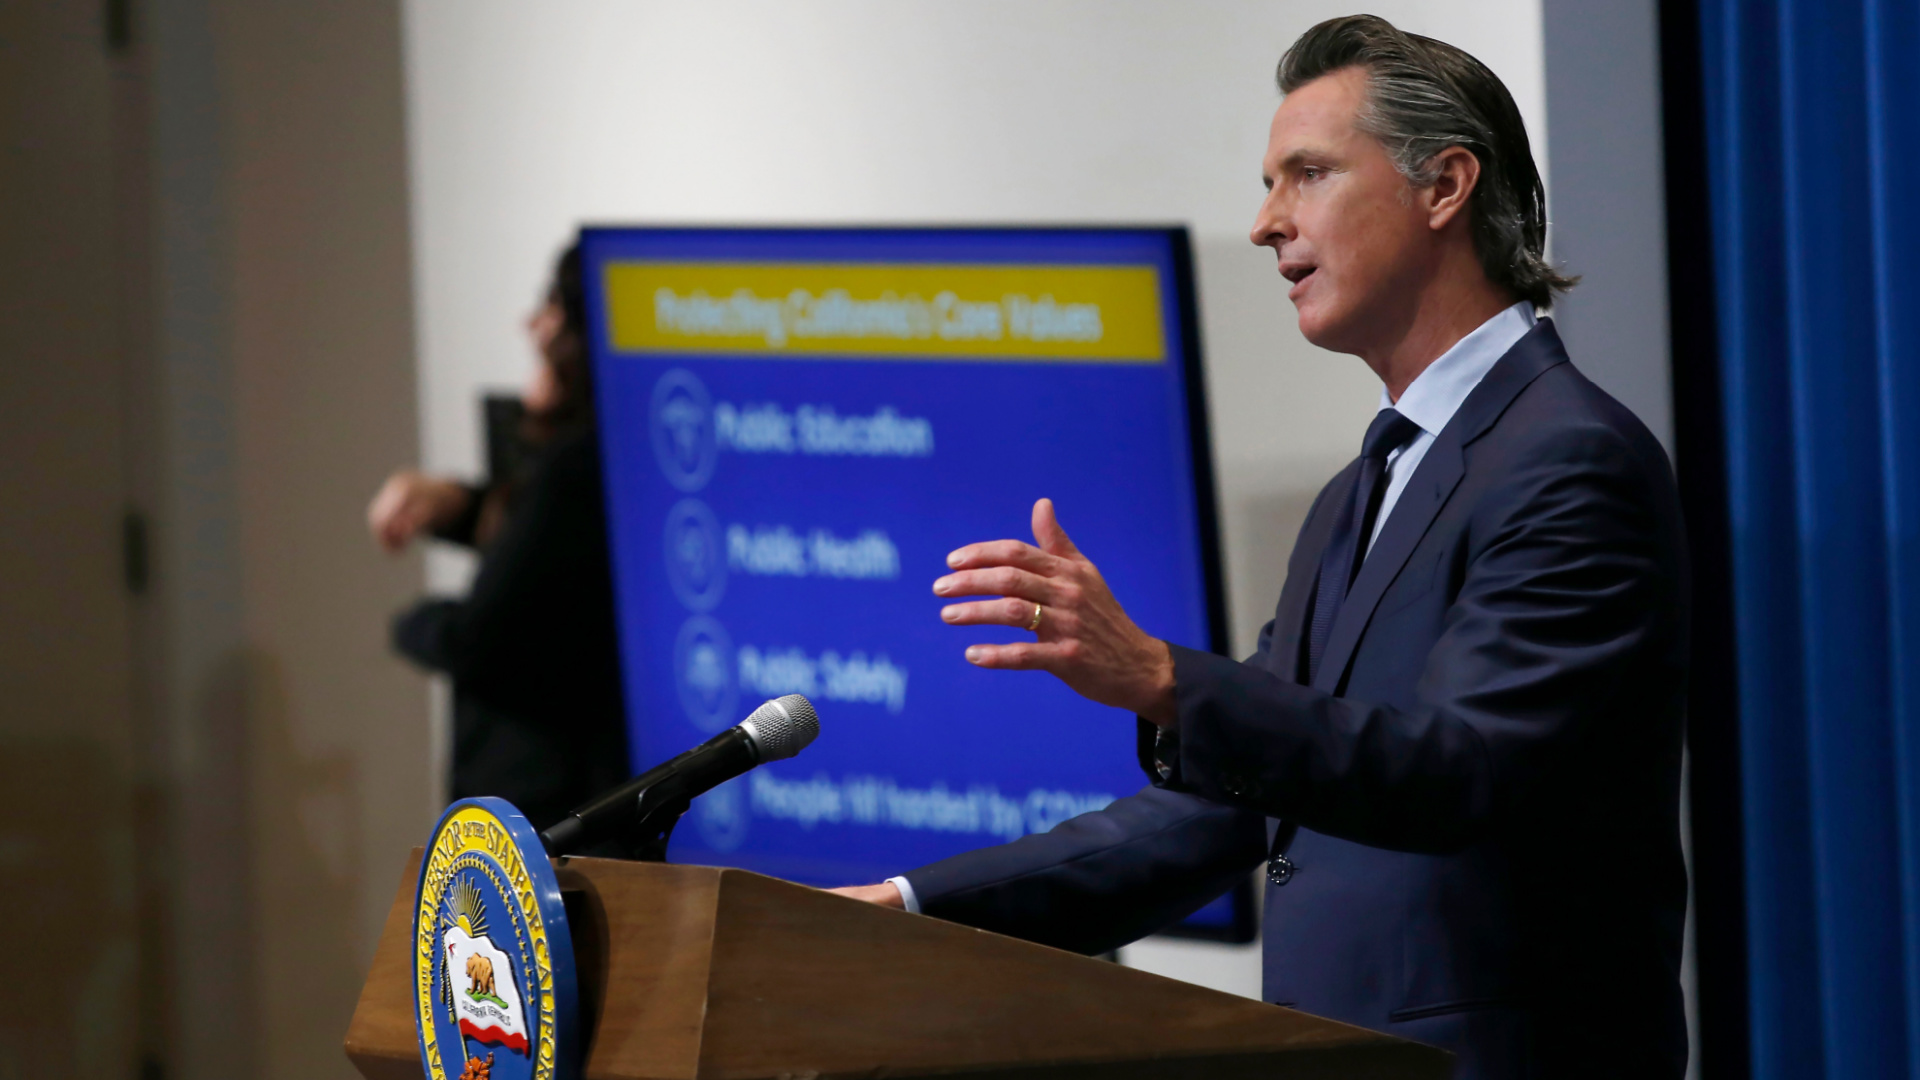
{"x": 478, "y": 979}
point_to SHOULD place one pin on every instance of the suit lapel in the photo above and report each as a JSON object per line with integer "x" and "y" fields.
{"x": 1439, "y": 473}
{"x": 1428, "y": 490}
{"x": 1303, "y": 567}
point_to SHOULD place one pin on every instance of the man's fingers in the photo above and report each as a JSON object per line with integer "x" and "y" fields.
{"x": 1055, "y": 623}
{"x": 1047, "y": 531}
{"x": 885, "y": 894}
{"x": 1020, "y": 656}
{"x": 996, "y": 581}
{"x": 392, "y": 538}
{"x": 1000, "y": 553}
{"x": 1008, "y": 612}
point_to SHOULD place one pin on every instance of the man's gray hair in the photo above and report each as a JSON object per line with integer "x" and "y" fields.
{"x": 1425, "y": 96}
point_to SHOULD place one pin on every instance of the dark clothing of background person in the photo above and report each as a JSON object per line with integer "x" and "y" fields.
{"x": 537, "y": 703}
{"x": 1479, "y": 786}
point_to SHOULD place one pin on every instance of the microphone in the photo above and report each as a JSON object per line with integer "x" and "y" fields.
{"x": 777, "y": 730}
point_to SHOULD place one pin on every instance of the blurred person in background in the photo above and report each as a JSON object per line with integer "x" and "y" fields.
{"x": 538, "y": 716}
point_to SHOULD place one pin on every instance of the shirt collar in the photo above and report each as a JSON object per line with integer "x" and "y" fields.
{"x": 1438, "y": 392}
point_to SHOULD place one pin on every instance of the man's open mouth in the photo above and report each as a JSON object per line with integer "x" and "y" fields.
{"x": 1298, "y": 274}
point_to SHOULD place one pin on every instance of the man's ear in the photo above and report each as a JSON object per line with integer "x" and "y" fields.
{"x": 1458, "y": 174}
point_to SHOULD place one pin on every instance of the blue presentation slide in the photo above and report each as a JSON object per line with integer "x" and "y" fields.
{"x": 799, "y": 425}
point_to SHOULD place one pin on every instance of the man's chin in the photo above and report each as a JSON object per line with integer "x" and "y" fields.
{"x": 1319, "y": 329}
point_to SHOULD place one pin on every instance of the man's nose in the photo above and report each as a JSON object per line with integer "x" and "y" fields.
{"x": 1272, "y": 226}
{"x": 1268, "y": 225}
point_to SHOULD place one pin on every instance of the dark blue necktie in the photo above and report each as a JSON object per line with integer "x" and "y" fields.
{"x": 1340, "y": 562}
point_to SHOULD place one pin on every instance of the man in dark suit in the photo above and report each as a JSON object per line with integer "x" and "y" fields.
{"x": 1458, "y": 745}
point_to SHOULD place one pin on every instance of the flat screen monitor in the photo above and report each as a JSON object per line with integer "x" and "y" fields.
{"x": 799, "y": 424}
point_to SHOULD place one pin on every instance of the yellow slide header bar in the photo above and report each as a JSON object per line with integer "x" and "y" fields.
{"x": 1097, "y": 313}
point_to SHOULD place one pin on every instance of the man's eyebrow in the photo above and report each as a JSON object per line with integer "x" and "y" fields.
{"x": 1305, "y": 155}
{"x": 1302, "y": 156}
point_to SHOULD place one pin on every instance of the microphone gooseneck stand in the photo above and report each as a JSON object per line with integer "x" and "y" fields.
{"x": 660, "y": 811}
{"x": 636, "y": 820}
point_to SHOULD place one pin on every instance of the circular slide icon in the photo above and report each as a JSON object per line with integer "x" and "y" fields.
{"x": 703, "y": 668}
{"x": 682, "y": 422}
{"x": 696, "y": 560}
{"x": 721, "y": 815}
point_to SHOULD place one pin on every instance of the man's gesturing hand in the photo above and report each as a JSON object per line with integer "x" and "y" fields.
{"x": 1084, "y": 637}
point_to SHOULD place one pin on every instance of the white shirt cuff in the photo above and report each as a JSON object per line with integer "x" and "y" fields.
{"x": 906, "y": 893}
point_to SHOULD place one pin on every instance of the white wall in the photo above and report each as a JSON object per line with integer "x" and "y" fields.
{"x": 527, "y": 119}
{"x": 1608, "y": 208}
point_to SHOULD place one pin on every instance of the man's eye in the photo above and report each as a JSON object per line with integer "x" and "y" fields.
{"x": 1312, "y": 172}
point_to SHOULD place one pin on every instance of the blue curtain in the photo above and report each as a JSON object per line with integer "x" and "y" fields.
{"x": 1812, "y": 111}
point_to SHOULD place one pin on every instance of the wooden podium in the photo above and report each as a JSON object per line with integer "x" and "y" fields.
{"x": 690, "y": 973}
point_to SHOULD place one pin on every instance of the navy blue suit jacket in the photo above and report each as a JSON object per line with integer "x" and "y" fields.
{"x": 1484, "y": 777}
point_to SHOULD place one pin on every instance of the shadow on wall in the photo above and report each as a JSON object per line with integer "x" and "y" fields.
{"x": 67, "y": 1000}
{"x": 307, "y": 875}
{"x": 259, "y": 834}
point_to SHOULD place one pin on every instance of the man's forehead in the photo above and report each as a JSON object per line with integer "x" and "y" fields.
{"x": 1323, "y": 109}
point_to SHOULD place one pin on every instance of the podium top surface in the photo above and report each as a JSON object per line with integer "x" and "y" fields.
{"x": 696, "y": 972}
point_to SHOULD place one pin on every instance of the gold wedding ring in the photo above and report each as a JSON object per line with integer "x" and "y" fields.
{"x": 1034, "y": 626}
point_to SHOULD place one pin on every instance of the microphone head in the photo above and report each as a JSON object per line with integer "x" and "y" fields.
{"x": 782, "y": 727}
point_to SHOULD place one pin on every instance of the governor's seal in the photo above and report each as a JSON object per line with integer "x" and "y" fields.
{"x": 493, "y": 983}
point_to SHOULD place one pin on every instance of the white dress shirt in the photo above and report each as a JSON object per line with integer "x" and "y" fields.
{"x": 906, "y": 893}
{"x": 1429, "y": 401}
{"x": 1438, "y": 392}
